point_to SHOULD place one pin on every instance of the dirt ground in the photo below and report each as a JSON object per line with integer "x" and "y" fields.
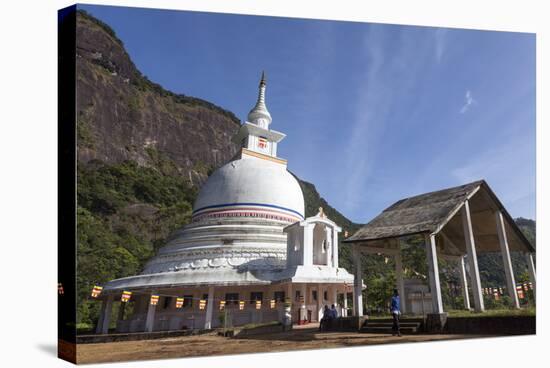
{"x": 211, "y": 344}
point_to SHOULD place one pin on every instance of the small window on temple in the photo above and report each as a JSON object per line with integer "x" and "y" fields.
{"x": 262, "y": 142}
{"x": 256, "y": 295}
{"x": 279, "y": 296}
{"x": 231, "y": 298}
{"x": 167, "y": 301}
{"x": 187, "y": 301}
{"x": 325, "y": 295}
{"x": 314, "y": 294}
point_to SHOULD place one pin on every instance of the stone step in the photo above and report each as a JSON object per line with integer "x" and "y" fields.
{"x": 402, "y": 320}
{"x": 390, "y": 324}
{"x": 388, "y": 330}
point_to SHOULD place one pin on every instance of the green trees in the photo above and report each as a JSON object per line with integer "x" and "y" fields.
{"x": 125, "y": 212}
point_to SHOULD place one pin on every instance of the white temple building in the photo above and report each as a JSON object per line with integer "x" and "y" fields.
{"x": 247, "y": 250}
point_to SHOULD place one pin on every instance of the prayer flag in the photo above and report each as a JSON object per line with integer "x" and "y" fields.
{"x": 126, "y": 295}
{"x": 154, "y": 299}
{"x": 96, "y": 291}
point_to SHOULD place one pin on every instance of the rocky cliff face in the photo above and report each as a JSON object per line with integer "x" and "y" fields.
{"x": 124, "y": 116}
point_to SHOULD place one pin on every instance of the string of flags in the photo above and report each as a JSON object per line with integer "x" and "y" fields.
{"x": 497, "y": 292}
{"x": 127, "y": 295}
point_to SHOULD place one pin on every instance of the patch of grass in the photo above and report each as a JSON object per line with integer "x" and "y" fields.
{"x": 493, "y": 313}
{"x": 256, "y": 325}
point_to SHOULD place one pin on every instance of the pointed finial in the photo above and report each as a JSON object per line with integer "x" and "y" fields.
{"x": 259, "y": 114}
{"x": 263, "y": 81}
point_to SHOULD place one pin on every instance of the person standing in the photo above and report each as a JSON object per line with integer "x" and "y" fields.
{"x": 334, "y": 312}
{"x": 395, "y": 310}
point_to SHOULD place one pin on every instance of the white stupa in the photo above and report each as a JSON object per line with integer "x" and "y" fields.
{"x": 248, "y": 241}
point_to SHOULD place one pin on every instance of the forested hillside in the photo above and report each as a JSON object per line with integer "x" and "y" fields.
{"x": 143, "y": 153}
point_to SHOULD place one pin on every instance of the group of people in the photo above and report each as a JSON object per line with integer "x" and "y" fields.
{"x": 328, "y": 315}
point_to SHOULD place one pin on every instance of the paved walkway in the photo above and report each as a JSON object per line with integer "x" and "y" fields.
{"x": 300, "y": 338}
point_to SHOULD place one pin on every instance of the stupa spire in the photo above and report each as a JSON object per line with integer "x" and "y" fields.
{"x": 259, "y": 114}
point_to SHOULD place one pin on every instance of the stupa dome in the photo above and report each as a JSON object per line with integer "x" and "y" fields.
{"x": 265, "y": 188}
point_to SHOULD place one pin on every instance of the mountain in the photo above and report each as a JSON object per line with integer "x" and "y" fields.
{"x": 143, "y": 153}
{"x": 122, "y": 115}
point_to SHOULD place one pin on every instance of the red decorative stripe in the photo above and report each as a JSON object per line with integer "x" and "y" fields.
{"x": 246, "y": 212}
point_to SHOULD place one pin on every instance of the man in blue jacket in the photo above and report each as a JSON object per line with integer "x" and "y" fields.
{"x": 395, "y": 310}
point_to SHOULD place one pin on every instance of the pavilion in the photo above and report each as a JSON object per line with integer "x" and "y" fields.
{"x": 456, "y": 224}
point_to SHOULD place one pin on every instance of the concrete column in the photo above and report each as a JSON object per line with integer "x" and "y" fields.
{"x": 308, "y": 245}
{"x": 334, "y": 296}
{"x": 105, "y": 315}
{"x": 506, "y": 260}
{"x": 357, "y": 283}
{"x": 472, "y": 257}
{"x": 335, "y": 248}
{"x": 464, "y": 283}
{"x": 303, "y": 309}
{"x": 400, "y": 285}
{"x": 151, "y": 311}
{"x": 532, "y": 273}
{"x": 345, "y": 310}
{"x": 320, "y": 298}
{"x": 210, "y": 309}
{"x": 328, "y": 242}
{"x": 433, "y": 267}
{"x": 289, "y": 292}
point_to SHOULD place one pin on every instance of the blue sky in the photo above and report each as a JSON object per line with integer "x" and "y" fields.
{"x": 373, "y": 113}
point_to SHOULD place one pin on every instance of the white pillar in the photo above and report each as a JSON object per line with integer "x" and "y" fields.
{"x": 334, "y": 296}
{"x": 464, "y": 283}
{"x": 532, "y": 273}
{"x": 320, "y": 299}
{"x": 335, "y": 248}
{"x": 328, "y": 242}
{"x": 472, "y": 257}
{"x": 433, "y": 267}
{"x": 105, "y": 316}
{"x": 209, "y": 309}
{"x": 345, "y": 311}
{"x": 399, "y": 278}
{"x": 289, "y": 292}
{"x": 357, "y": 283}
{"x": 506, "y": 260}
{"x": 151, "y": 310}
{"x": 308, "y": 245}
{"x": 303, "y": 309}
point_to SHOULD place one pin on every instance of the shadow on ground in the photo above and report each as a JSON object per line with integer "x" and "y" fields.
{"x": 50, "y": 349}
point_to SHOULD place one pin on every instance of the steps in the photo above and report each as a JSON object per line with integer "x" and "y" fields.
{"x": 384, "y": 326}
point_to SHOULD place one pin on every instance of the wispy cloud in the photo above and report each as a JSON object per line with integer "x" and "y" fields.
{"x": 398, "y": 62}
{"x": 468, "y": 102}
{"x": 440, "y": 36}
